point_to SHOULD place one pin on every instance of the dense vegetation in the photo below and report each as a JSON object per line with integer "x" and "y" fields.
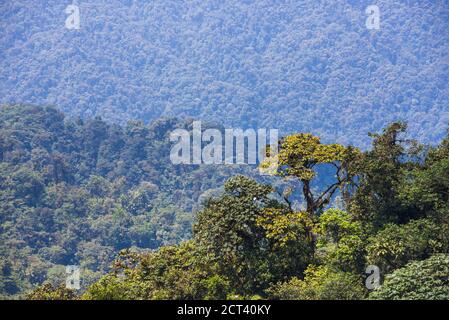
{"x": 77, "y": 192}
{"x": 98, "y": 185}
{"x": 388, "y": 207}
{"x": 242, "y": 63}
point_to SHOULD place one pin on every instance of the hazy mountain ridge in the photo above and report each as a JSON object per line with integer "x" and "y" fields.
{"x": 239, "y": 63}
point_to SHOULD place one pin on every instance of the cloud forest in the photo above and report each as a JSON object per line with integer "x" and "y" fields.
{"x": 224, "y": 150}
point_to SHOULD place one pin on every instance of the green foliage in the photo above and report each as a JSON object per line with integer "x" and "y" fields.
{"x": 336, "y": 224}
{"x": 79, "y": 191}
{"x": 300, "y": 155}
{"x": 172, "y": 272}
{"x": 341, "y": 241}
{"x": 396, "y": 245}
{"x": 419, "y": 280}
{"x": 245, "y": 250}
{"x": 48, "y": 292}
{"x": 425, "y": 190}
{"x": 320, "y": 283}
{"x": 381, "y": 171}
{"x": 283, "y": 227}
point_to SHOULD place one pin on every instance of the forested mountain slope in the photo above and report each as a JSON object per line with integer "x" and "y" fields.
{"x": 78, "y": 191}
{"x": 389, "y": 240}
{"x": 308, "y": 66}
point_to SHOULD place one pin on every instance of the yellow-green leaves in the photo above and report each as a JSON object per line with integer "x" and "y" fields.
{"x": 320, "y": 283}
{"x": 282, "y": 226}
{"x": 299, "y": 153}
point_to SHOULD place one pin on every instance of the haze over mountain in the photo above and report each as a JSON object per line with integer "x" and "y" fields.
{"x": 294, "y": 65}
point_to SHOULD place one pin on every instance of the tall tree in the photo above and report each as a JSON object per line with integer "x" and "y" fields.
{"x": 229, "y": 229}
{"x": 299, "y": 157}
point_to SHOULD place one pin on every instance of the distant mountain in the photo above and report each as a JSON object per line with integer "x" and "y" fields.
{"x": 294, "y": 65}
